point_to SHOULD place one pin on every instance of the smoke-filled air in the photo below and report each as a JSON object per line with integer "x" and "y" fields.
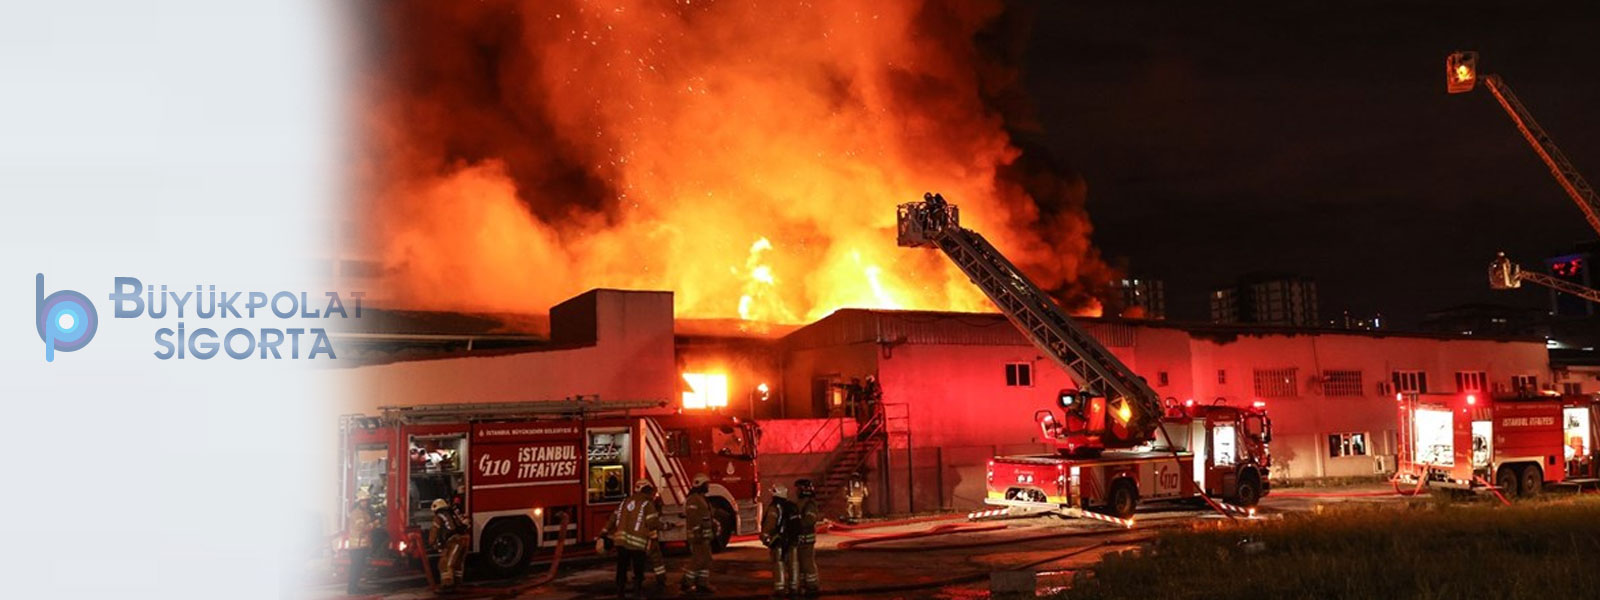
{"x": 746, "y": 155}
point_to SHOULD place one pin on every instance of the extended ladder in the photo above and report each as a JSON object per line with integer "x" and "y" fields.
{"x": 934, "y": 223}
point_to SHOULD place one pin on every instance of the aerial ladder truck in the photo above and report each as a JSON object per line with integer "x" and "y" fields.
{"x": 1462, "y": 76}
{"x": 1117, "y": 442}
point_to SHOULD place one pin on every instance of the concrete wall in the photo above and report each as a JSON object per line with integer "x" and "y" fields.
{"x": 632, "y": 358}
{"x": 958, "y": 397}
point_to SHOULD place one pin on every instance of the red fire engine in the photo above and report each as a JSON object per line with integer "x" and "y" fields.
{"x": 1112, "y": 442}
{"x": 1222, "y": 448}
{"x": 1521, "y": 444}
{"x": 514, "y": 469}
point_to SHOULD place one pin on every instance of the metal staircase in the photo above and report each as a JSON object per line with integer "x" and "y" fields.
{"x": 936, "y": 224}
{"x": 856, "y": 453}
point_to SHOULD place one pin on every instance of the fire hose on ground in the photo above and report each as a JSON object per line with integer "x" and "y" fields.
{"x": 835, "y": 526}
{"x": 959, "y": 580}
{"x": 496, "y": 592}
{"x": 861, "y": 542}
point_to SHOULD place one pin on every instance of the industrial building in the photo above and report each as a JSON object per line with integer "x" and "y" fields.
{"x": 962, "y": 387}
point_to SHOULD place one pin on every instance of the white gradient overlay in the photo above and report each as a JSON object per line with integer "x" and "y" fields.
{"x": 180, "y": 142}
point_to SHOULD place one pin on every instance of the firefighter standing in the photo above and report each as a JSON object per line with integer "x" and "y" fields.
{"x": 805, "y": 551}
{"x": 701, "y": 524}
{"x": 632, "y": 527}
{"x": 449, "y": 536}
{"x": 657, "y": 561}
{"x": 779, "y": 530}
{"x": 358, "y": 541}
{"x": 871, "y": 397}
{"x": 856, "y": 494}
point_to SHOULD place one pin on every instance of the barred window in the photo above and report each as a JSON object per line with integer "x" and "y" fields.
{"x": 1471, "y": 381}
{"x": 1341, "y": 383}
{"x": 1276, "y": 383}
{"x": 1410, "y": 382}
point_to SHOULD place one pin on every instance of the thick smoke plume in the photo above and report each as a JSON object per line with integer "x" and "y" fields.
{"x": 747, "y": 155}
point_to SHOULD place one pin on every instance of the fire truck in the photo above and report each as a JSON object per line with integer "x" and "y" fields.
{"x": 517, "y": 471}
{"x": 1117, "y": 440}
{"x": 1518, "y": 444}
{"x": 1216, "y": 450}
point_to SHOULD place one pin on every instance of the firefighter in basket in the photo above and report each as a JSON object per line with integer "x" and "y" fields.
{"x": 702, "y": 528}
{"x": 449, "y": 535}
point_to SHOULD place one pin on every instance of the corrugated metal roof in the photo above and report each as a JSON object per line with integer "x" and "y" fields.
{"x": 854, "y": 326}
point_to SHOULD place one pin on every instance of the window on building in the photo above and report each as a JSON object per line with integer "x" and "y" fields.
{"x": 1276, "y": 383}
{"x": 1471, "y": 381}
{"x": 1161, "y": 378}
{"x": 1524, "y": 383}
{"x": 1571, "y": 388}
{"x": 1347, "y": 444}
{"x": 1341, "y": 383}
{"x": 1410, "y": 382}
{"x": 1222, "y": 376}
{"x": 1019, "y": 375}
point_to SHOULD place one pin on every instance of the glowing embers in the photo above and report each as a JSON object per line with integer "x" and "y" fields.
{"x": 705, "y": 390}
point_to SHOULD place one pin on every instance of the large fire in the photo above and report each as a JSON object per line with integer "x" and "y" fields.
{"x": 747, "y": 155}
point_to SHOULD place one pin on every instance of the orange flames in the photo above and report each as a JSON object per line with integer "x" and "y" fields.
{"x": 746, "y": 155}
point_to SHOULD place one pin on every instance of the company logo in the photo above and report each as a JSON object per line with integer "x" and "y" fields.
{"x": 66, "y": 319}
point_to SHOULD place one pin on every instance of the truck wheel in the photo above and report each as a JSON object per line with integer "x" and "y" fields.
{"x": 1248, "y": 492}
{"x": 1532, "y": 480}
{"x": 1506, "y": 480}
{"x": 1124, "y": 499}
{"x": 507, "y": 545}
{"x": 726, "y": 524}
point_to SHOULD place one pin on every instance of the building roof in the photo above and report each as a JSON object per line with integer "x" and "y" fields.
{"x": 849, "y": 326}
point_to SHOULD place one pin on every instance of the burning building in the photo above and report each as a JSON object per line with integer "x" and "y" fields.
{"x": 746, "y": 155}
{"x": 961, "y": 386}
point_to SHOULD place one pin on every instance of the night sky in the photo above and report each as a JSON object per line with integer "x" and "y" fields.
{"x": 1317, "y": 138}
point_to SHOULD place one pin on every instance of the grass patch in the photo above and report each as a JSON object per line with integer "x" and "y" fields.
{"x": 1536, "y": 550}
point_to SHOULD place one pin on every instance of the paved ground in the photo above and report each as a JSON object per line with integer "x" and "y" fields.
{"x": 950, "y": 566}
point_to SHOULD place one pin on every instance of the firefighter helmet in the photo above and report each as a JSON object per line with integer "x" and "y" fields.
{"x": 642, "y": 485}
{"x": 699, "y": 480}
{"x": 780, "y": 491}
{"x": 804, "y": 488}
{"x": 440, "y": 504}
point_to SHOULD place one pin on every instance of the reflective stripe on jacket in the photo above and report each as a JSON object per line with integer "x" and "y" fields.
{"x": 359, "y": 533}
{"x": 810, "y": 513}
{"x": 697, "y": 517}
{"x": 638, "y": 523}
